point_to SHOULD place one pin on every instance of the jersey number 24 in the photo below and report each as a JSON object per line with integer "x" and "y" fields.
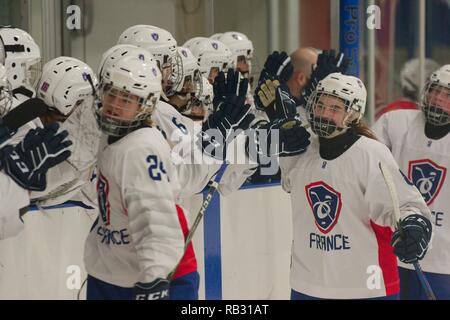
{"x": 156, "y": 167}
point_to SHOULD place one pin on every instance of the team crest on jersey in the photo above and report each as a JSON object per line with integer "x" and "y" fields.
{"x": 215, "y": 45}
{"x": 184, "y": 53}
{"x": 103, "y": 201}
{"x": 428, "y": 177}
{"x": 325, "y": 203}
{"x": 155, "y": 73}
{"x": 141, "y": 57}
{"x": 155, "y": 36}
{"x": 85, "y": 76}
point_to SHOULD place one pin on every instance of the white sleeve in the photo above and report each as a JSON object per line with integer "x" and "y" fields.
{"x": 378, "y": 196}
{"x": 381, "y": 130}
{"x": 194, "y": 168}
{"x": 152, "y": 215}
{"x": 14, "y": 198}
{"x": 240, "y": 168}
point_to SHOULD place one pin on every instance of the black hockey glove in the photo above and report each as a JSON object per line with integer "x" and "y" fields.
{"x": 275, "y": 100}
{"x": 278, "y": 66}
{"x": 284, "y": 138}
{"x": 155, "y": 290}
{"x": 327, "y": 62}
{"x": 28, "y": 162}
{"x": 5, "y": 132}
{"x": 410, "y": 241}
{"x": 228, "y": 86}
{"x": 221, "y": 127}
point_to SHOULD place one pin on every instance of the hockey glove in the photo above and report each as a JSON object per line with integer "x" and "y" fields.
{"x": 284, "y": 138}
{"x": 28, "y": 162}
{"x": 228, "y": 86}
{"x": 5, "y": 133}
{"x": 327, "y": 62}
{"x": 278, "y": 65}
{"x": 410, "y": 241}
{"x": 275, "y": 100}
{"x": 155, "y": 290}
{"x": 220, "y": 127}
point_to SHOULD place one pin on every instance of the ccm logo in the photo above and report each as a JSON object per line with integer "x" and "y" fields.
{"x": 153, "y": 296}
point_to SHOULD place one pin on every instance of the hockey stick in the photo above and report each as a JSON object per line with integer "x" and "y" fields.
{"x": 393, "y": 193}
{"x": 25, "y": 112}
{"x": 213, "y": 185}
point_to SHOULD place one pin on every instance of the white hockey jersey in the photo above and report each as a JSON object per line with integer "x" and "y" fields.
{"x": 64, "y": 180}
{"x": 13, "y": 199}
{"x": 194, "y": 174}
{"x": 425, "y": 162}
{"x": 342, "y": 219}
{"x": 137, "y": 236}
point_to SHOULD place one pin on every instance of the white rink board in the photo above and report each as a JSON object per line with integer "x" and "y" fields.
{"x": 256, "y": 235}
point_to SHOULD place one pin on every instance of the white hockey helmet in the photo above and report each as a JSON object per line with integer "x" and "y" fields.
{"x": 189, "y": 72}
{"x": 161, "y": 44}
{"x": 435, "y": 99}
{"x": 201, "y": 106}
{"x": 67, "y": 82}
{"x": 333, "y": 91}
{"x": 21, "y": 56}
{"x": 129, "y": 90}
{"x": 191, "y": 41}
{"x": 5, "y": 93}
{"x": 410, "y": 77}
{"x": 216, "y": 36}
{"x": 213, "y": 56}
{"x": 240, "y": 46}
{"x": 117, "y": 52}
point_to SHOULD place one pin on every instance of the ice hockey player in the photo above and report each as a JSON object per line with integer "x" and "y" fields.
{"x": 213, "y": 56}
{"x": 136, "y": 240}
{"x": 242, "y": 51}
{"x": 66, "y": 91}
{"x": 420, "y": 143}
{"x": 342, "y": 211}
{"x": 410, "y": 83}
{"x": 24, "y": 166}
{"x": 21, "y": 57}
{"x": 193, "y": 176}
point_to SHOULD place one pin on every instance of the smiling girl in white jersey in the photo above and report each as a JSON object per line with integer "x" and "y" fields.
{"x": 342, "y": 213}
{"x": 137, "y": 240}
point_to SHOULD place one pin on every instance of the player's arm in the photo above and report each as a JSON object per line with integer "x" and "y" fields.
{"x": 412, "y": 242}
{"x": 149, "y": 202}
{"x": 240, "y": 168}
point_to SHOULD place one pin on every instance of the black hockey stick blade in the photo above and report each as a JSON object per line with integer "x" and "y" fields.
{"x": 24, "y": 113}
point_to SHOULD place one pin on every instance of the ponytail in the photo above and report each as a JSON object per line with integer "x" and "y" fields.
{"x": 362, "y": 129}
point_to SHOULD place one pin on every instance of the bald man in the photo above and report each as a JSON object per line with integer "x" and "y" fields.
{"x": 303, "y": 60}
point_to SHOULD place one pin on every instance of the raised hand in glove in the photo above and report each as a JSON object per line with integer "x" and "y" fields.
{"x": 228, "y": 86}
{"x": 155, "y": 290}
{"x": 284, "y": 138}
{"x": 410, "y": 241}
{"x": 221, "y": 126}
{"x": 28, "y": 162}
{"x": 275, "y": 100}
{"x": 327, "y": 62}
{"x": 278, "y": 66}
